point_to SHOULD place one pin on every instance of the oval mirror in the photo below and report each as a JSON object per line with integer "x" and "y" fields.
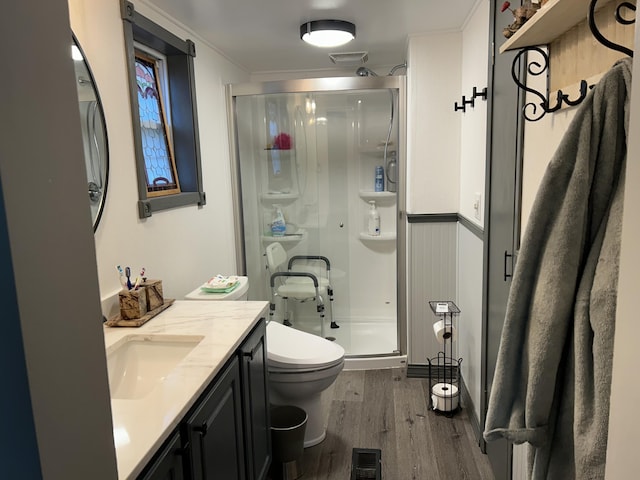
{"x": 94, "y": 133}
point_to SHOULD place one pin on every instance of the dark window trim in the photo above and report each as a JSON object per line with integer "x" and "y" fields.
{"x": 184, "y": 117}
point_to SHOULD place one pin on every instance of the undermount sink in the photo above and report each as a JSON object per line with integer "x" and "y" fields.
{"x": 138, "y": 363}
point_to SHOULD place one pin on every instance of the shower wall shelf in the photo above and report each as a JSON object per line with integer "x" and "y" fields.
{"x": 383, "y": 237}
{"x": 376, "y": 151}
{"x": 371, "y": 195}
{"x": 282, "y": 198}
{"x": 287, "y": 238}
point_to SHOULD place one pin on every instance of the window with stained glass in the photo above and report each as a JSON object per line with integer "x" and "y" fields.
{"x": 160, "y": 167}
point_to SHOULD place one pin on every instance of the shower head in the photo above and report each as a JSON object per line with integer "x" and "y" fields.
{"x": 397, "y": 67}
{"x": 366, "y": 72}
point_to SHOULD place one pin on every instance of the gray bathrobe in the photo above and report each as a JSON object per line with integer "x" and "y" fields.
{"x": 553, "y": 377}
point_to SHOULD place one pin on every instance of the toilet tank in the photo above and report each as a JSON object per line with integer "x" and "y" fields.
{"x": 240, "y": 293}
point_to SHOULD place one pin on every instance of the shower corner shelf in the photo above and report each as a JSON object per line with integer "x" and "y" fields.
{"x": 383, "y": 237}
{"x": 371, "y": 195}
{"x": 376, "y": 151}
{"x": 288, "y": 238}
{"x": 283, "y": 198}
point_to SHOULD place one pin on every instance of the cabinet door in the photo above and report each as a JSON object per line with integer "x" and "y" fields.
{"x": 168, "y": 464}
{"x": 255, "y": 391}
{"x": 214, "y": 430}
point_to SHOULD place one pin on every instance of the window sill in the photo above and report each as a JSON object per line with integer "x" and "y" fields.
{"x": 147, "y": 207}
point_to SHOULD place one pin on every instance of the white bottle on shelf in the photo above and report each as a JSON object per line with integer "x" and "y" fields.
{"x": 373, "y": 220}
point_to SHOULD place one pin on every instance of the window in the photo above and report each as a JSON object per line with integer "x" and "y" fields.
{"x": 157, "y": 148}
{"x": 164, "y": 115}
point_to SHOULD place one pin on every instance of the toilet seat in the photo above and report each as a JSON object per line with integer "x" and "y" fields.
{"x": 289, "y": 349}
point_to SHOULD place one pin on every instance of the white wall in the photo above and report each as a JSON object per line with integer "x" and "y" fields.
{"x": 469, "y": 295}
{"x": 469, "y": 278}
{"x": 433, "y": 133}
{"x": 183, "y": 246}
{"x": 473, "y": 132}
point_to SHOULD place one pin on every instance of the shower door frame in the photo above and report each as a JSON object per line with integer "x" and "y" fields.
{"x": 317, "y": 85}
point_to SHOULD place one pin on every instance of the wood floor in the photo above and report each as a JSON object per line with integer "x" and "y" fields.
{"x": 386, "y": 410}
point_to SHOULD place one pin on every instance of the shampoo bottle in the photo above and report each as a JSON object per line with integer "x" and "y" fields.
{"x": 373, "y": 220}
{"x": 278, "y": 225}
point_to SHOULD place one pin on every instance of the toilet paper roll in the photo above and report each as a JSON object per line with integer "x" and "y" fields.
{"x": 445, "y": 331}
{"x": 444, "y": 397}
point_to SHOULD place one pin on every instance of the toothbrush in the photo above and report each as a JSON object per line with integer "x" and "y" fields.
{"x": 137, "y": 284}
{"x": 144, "y": 279}
{"x": 123, "y": 281}
{"x": 127, "y": 272}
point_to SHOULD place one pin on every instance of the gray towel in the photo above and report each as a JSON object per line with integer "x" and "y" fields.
{"x": 553, "y": 376}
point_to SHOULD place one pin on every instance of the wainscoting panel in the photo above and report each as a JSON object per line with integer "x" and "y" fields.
{"x": 432, "y": 276}
{"x": 469, "y": 295}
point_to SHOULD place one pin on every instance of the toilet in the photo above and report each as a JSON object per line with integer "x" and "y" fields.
{"x": 301, "y": 365}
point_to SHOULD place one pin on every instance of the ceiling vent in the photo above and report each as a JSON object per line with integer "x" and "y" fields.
{"x": 349, "y": 58}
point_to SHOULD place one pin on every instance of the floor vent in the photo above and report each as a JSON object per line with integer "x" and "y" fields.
{"x": 365, "y": 464}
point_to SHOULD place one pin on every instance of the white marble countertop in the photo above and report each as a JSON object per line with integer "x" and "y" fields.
{"x": 141, "y": 426}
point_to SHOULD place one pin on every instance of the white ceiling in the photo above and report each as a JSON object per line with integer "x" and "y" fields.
{"x": 264, "y": 35}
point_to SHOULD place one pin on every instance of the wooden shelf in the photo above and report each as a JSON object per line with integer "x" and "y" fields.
{"x": 549, "y": 22}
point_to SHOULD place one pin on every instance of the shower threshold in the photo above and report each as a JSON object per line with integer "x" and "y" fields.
{"x": 374, "y": 362}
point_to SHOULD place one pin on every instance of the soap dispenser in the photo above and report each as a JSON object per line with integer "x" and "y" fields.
{"x": 373, "y": 220}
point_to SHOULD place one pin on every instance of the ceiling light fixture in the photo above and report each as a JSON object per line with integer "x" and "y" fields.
{"x": 327, "y": 33}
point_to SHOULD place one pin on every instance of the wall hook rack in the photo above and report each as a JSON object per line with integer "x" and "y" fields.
{"x": 534, "y": 111}
{"x": 471, "y": 101}
{"x": 480, "y": 94}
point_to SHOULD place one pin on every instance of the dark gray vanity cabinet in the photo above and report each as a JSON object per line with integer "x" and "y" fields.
{"x": 255, "y": 389}
{"x": 226, "y": 435}
{"x": 168, "y": 463}
{"x": 214, "y": 431}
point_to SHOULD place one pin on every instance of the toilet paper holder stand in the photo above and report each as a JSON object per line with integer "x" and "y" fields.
{"x": 444, "y": 368}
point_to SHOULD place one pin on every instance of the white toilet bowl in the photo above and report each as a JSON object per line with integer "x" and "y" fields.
{"x": 301, "y": 366}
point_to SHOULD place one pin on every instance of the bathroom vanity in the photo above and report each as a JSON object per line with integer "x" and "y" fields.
{"x": 189, "y": 393}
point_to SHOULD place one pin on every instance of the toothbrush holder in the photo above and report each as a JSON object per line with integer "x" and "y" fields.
{"x": 133, "y": 303}
{"x": 155, "y": 298}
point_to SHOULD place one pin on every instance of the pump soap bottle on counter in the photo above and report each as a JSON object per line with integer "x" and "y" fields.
{"x": 373, "y": 220}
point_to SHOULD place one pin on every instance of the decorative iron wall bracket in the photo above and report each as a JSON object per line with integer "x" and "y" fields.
{"x": 619, "y": 18}
{"x": 534, "y": 111}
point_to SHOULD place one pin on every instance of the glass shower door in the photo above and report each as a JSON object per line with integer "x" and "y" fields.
{"x": 313, "y": 157}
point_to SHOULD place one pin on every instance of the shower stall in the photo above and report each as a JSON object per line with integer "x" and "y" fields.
{"x": 308, "y": 151}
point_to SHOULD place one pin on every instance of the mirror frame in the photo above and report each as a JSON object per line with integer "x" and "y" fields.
{"x": 98, "y": 215}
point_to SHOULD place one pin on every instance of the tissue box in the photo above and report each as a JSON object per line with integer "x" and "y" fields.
{"x": 155, "y": 298}
{"x": 133, "y": 303}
